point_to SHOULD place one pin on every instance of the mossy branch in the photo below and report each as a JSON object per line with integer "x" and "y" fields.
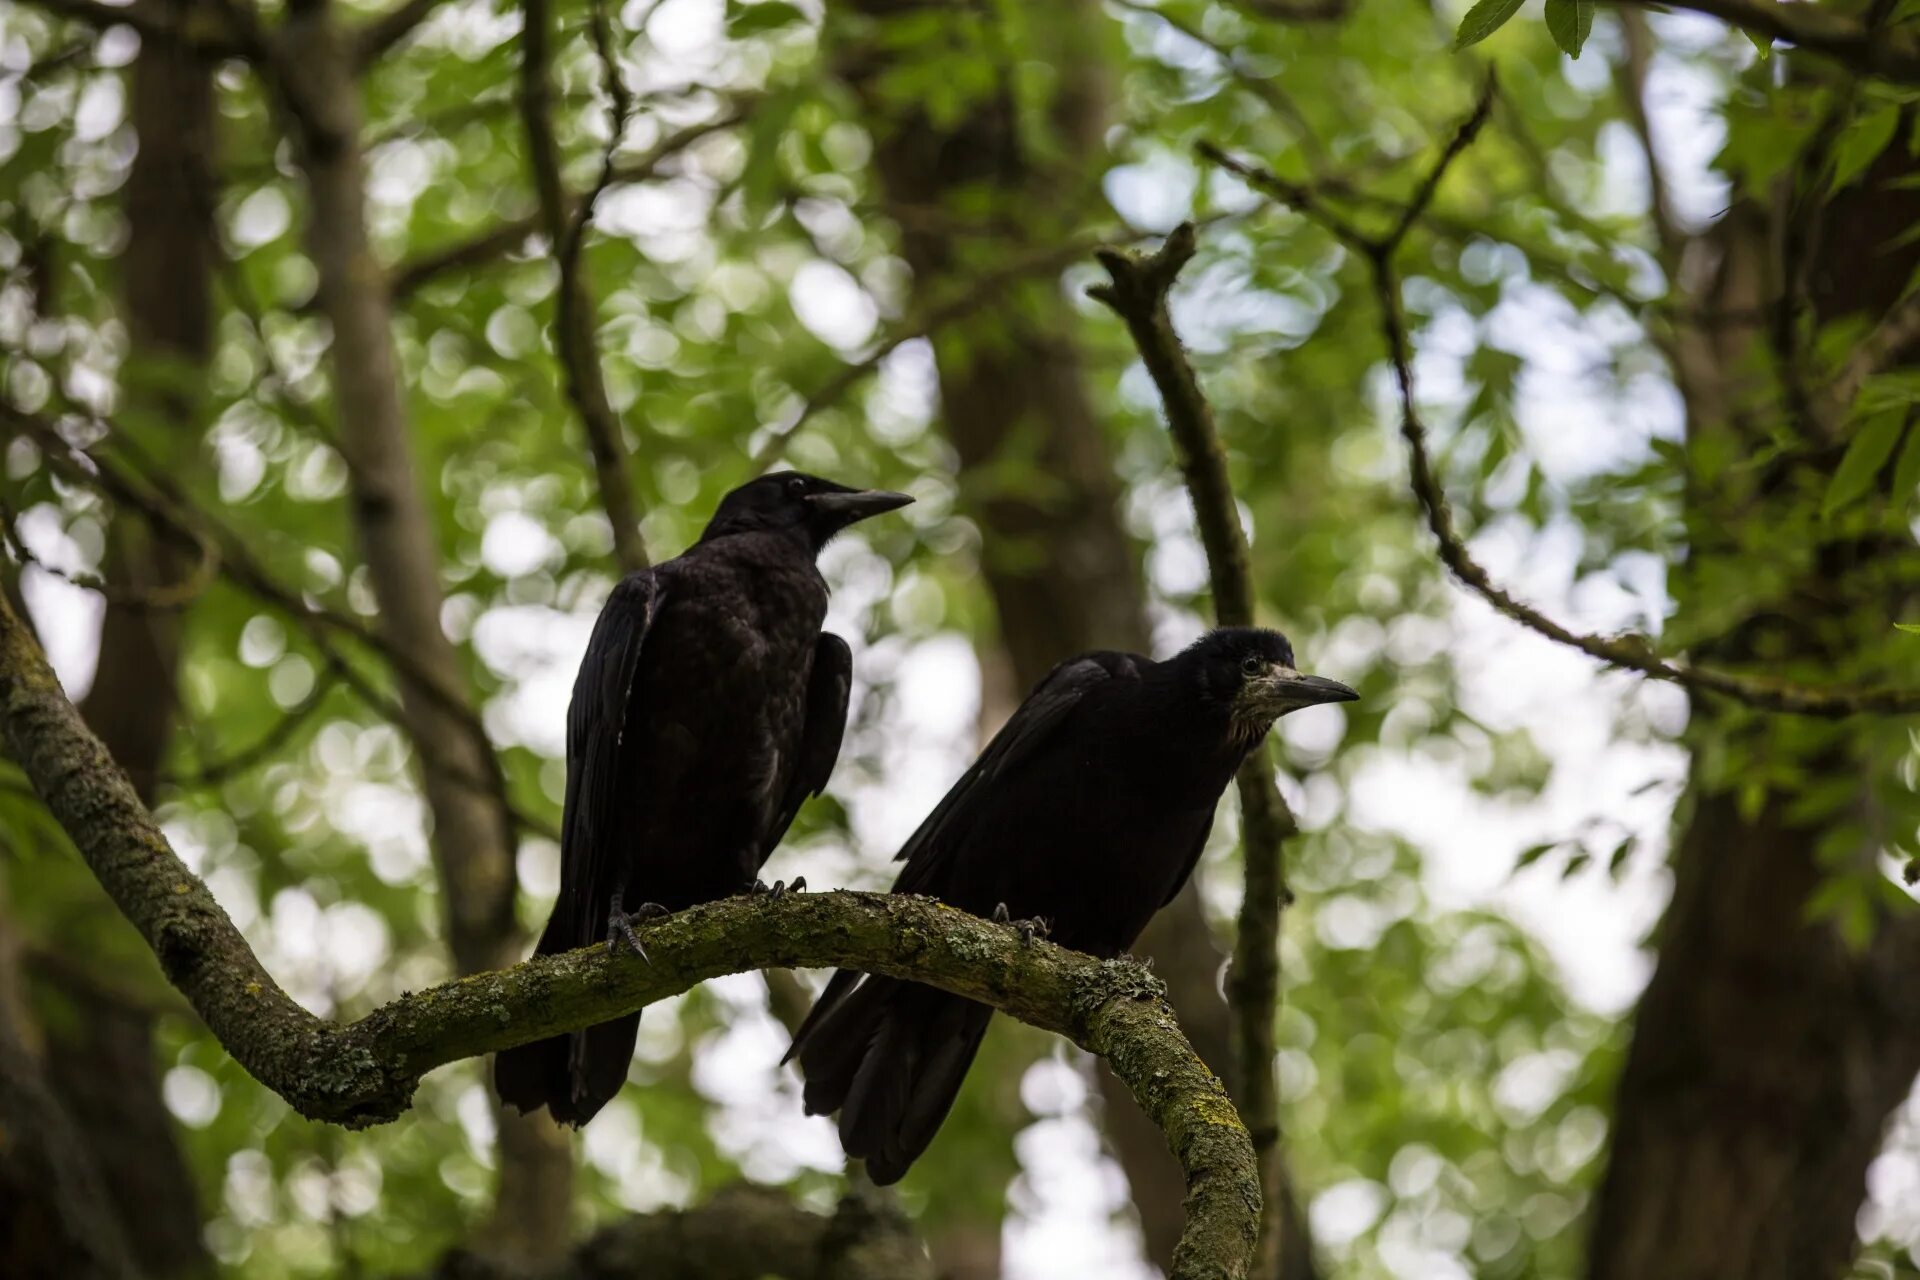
{"x": 365, "y": 1072}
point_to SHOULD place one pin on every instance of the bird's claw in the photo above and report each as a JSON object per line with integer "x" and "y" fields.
{"x": 780, "y": 888}
{"x": 1027, "y": 929}
{"x": 620, "y": 926}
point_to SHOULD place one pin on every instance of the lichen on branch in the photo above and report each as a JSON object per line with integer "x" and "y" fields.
{"x": 365, "y": 1072}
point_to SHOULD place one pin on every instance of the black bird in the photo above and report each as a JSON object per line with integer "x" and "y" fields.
{"x": 708, "y": 706}
{"x": 1088, "y": 810}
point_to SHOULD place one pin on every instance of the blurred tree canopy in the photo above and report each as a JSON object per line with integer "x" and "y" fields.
{"x": 348, "y": 354}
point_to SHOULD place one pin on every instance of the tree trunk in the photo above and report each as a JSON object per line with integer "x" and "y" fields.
{"x": 473, "y": 837}
{"x": 1037, "y": 473}
{"x": 97, "y": 1064}
{"x": 1767, "y": 1053}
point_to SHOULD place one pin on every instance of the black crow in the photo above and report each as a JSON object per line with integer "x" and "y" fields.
{"x": 708, "y": 706}
{"x": 1088, "y": 810}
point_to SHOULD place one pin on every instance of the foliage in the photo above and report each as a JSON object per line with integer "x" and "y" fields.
{"x": 1439, "y": 1080}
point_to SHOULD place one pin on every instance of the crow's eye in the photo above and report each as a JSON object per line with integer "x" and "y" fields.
{"x": 1251, "y": 665}
{"x": 796, "y": 486}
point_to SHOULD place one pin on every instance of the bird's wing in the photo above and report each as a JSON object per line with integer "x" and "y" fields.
{"x": 828, "y": 687}
{"x": 1018, "y": 741}
{"x": 598, "y": 789}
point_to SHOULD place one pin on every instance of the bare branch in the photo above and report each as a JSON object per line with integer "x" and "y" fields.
{"x": 980, "y": 292}
{"x": 216, "y": 772}
{"x": 1632, "y": 77}
{"x": 484, "y": 246}
{"x": 372, "y": 41}
{"x": 1890, "y": 55}
{"x": 365, "y": 1072}
{"x": 573, "y": 304}
{"x": 1138, "y": 295}
{"x": 1632, "y": 653}
{"x": 169, "y": 513}
{"x": 1265, "y": 88}
{"x": 196, "y": 29}
{"x": 173, "y": 595}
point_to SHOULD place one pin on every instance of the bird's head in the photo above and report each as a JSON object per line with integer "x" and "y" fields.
{"x": 792, "y": 501}
{"x": 1248, "y": 673}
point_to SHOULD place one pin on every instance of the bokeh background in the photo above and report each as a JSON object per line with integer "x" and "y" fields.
{"x": 855, "y": 240}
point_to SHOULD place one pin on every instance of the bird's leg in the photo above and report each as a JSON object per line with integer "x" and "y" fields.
{"x": 780, "y": 888}
{"x": 1028, "y": 930}
{"x": 620, "y": 925}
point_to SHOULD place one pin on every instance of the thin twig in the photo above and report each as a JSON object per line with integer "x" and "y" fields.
{"x": 1635, "y": 69}
{"x": 372, "y": 40}
{"x": 1887, "y": 55}
{"x": 1265, "y": 88}
{"x": 980, "y": 291}
{"x": 484, "y": 246}
{"x": 1631, "y": 653}
{"x": 217, "y": 772}
{"x": 1138, "y": 294}
{"x": 153, "y": 21}
{"x": 169, "y": 511}
{"x": 167, "y": 596}
{"x": 566, "y": 229}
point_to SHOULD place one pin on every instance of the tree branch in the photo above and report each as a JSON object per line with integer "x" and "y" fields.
{"x": 409, "y": 276}
{"x": 573, "y": 303}
{"x": 1632, "y": 653}
{"x": 365, "y": 1072}
{"x": 1138, "y": 294}
{"x": 163, "y": 597}
{"x": 196, "y": 28}
{"x": 373, "y": 39}
{"x": 168, "y": 513}
{"x": 980, "y": 291}
{"x": 1888, "y": 55}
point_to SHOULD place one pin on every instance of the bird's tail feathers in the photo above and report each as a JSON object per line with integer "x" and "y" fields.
{"x": 890, "y": 1057}
{"x": 573, "y": 1075}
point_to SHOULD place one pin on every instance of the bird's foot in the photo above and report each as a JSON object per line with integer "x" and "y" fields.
{"x": 1028, "y": 930}
{"x": 780, "y": 888}
{"x": 620, "y": 926}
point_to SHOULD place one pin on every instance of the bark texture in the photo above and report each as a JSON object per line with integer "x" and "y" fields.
{"x": 97, "y": 1077}
{"x": 1063, "y": 574}
{"x": 365, "y": 1072}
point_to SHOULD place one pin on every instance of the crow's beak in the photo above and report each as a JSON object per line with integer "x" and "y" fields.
{"x": 847, "y": 508}
{"x": 1294, "y": 689}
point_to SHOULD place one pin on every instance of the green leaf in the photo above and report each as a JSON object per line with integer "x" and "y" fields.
{"x": 1483, "y": 20}
{"x": 1533, "y": 854}
{"x": 1914, "y": 627}
{"x": 1569, "y": 22}
{"x": 755, "y": 19}
{"x": 1906, "y": 472}
{"x": 1618, "y": 861}
{"x": 1872, "y": 446}
{"x": 1762, "y": 44}
{"x": 1862, "y": 142}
